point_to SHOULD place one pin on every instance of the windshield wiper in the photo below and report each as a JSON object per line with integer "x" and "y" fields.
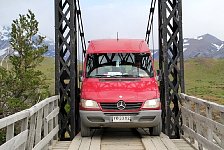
{"x": 124, "y": 75}
{"x": 99, "y": 76}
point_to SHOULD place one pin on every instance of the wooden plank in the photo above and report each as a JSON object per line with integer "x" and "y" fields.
{"x": 24, "y": 126}
{"x": 146, "y": 140}
{"x": 191, "y": 121}
{"x": 120, "y": 139}
{"x": 56, "y": 118}
{"x": 209, "y": 130}
{"x": 126, "y": 142}
{"x": 23, "y": 116}
{"x": 217, "y": 139}
{"x": 147, "y": 143}
{"x": 76, "y": 142}
{"x": 121, "y": 147}
{"x": 53, "y": 114}
{"x": 181, "y": 144}
{"x": 50, "y": 125}
{"x": 96, "y": 140}
{"x": 198, "y": 126}
{"x": 222, "y": 136}
{"x": 13, "y": 118}
{"x": 203, "y": 102}
{"x": 168, "y": 142}
{"x": 15, "y": 142}
{"x": 50, "y": 147}
{"x": 41, "y": 104}
{"x": 63, "y": 143}
{"x": 60, "y": 145}
{"x": 46, "y": 139}
{"x": 158, "y": 143}
{"x": 85, "y": 145}
{"x": 206, "y": 143}
{"x": 38, "y": 126}
{"x": 202, "y": 119}
{"x": 30, "y": 142}
{"x": 10, "y": 132}
{"x": 46, "y": 124}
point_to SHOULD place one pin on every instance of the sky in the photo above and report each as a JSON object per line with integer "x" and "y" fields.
{"x": 104, "y": 18}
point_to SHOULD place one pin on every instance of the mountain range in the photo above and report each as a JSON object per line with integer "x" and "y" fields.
{"x": 202, "y": 46}
{"x": 5, "y": 43}
{"x": 205, "y": 46}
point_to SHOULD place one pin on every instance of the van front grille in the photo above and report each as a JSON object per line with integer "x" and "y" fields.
{"x": 113, "y": 106}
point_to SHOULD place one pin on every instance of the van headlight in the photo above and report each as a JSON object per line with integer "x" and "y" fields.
{"x": 153, "y": 103}
{"x": 89, "y": 104}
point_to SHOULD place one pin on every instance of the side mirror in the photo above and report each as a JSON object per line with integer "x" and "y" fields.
{"x": 158, "y": 75}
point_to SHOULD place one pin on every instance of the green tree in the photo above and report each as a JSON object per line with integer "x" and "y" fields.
{"x": 24, "y": 85}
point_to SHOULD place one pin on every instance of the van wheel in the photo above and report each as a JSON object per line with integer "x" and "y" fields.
{"x": 85, "y": 131}
{"x": 155, "y": 131}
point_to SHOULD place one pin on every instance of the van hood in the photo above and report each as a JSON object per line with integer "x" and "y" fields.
{"x": 114, "y": 89}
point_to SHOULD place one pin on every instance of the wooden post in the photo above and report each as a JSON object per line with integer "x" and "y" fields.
{"x": 31, "y": 137}
{"x": 10, "y": 132}
{"x": 190, "y": 120}
{"x": 24, "y": 126}
{"x": 209, "y": 130}
{"x": 46, "y": 108}
{"x": 51, "y": 121}
{"x": 30, "y": 142}
{"x": 198, "y": 125}
{"x": 38, "y": 126}
{"x": 56, "y": 118}
{"x": 222, "y": 137}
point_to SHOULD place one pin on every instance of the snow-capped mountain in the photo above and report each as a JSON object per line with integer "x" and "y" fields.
{"x": 203, "y": 46}
{"x": 5, "y": 43}
{"x": 4, "y": 37}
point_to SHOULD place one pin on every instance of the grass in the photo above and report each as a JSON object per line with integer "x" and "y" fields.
{"x": 48, "y": 68}
{"x": 204, "y": 77}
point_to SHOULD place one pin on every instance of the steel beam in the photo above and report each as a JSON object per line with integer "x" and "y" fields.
{"x": 171, "y": 64}
{"x": 66, "y": 84}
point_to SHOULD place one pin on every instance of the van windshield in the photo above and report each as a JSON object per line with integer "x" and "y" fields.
{"x": 109, "y": 65}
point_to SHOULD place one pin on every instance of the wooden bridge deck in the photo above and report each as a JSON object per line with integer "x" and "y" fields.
{"x": 203, "y": 127}
{"x": 122, "y": 139}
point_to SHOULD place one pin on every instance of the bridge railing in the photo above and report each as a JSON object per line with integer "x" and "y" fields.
{"x": 203, "y": 122}
{"x": 38, "y": 126}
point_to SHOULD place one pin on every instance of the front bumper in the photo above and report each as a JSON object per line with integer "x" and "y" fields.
{"x": 141, "y": 119}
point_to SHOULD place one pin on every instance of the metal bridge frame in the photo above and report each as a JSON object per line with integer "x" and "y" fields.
{"x": 66, "y": 83}
{"x": 68, "y": 21}
{"x": 171, "y": 64}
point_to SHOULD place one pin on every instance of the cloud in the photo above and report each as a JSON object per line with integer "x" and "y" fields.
{"x": 104, "y": 18}
{"x": 43, "y": 9}
{"x": 203, "y": 16}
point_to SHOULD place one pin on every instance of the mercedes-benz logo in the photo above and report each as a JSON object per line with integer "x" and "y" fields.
{"x": 121, "y": 105}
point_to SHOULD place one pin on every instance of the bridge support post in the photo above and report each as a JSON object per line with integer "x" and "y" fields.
{"x": 66, "y": 83}
{"x": 171, "y": 63}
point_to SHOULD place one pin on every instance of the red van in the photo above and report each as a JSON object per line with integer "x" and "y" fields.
{"x": 119, "y": 87}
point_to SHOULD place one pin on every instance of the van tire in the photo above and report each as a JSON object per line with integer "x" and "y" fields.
{"x": 155, "y": 131}
{"x": 85, "y": 131}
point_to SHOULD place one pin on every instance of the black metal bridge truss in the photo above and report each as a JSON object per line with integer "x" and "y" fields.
{"x": 68, "y": 27}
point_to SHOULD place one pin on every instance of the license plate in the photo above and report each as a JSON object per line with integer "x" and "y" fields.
{"x": 121, "y": 119}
